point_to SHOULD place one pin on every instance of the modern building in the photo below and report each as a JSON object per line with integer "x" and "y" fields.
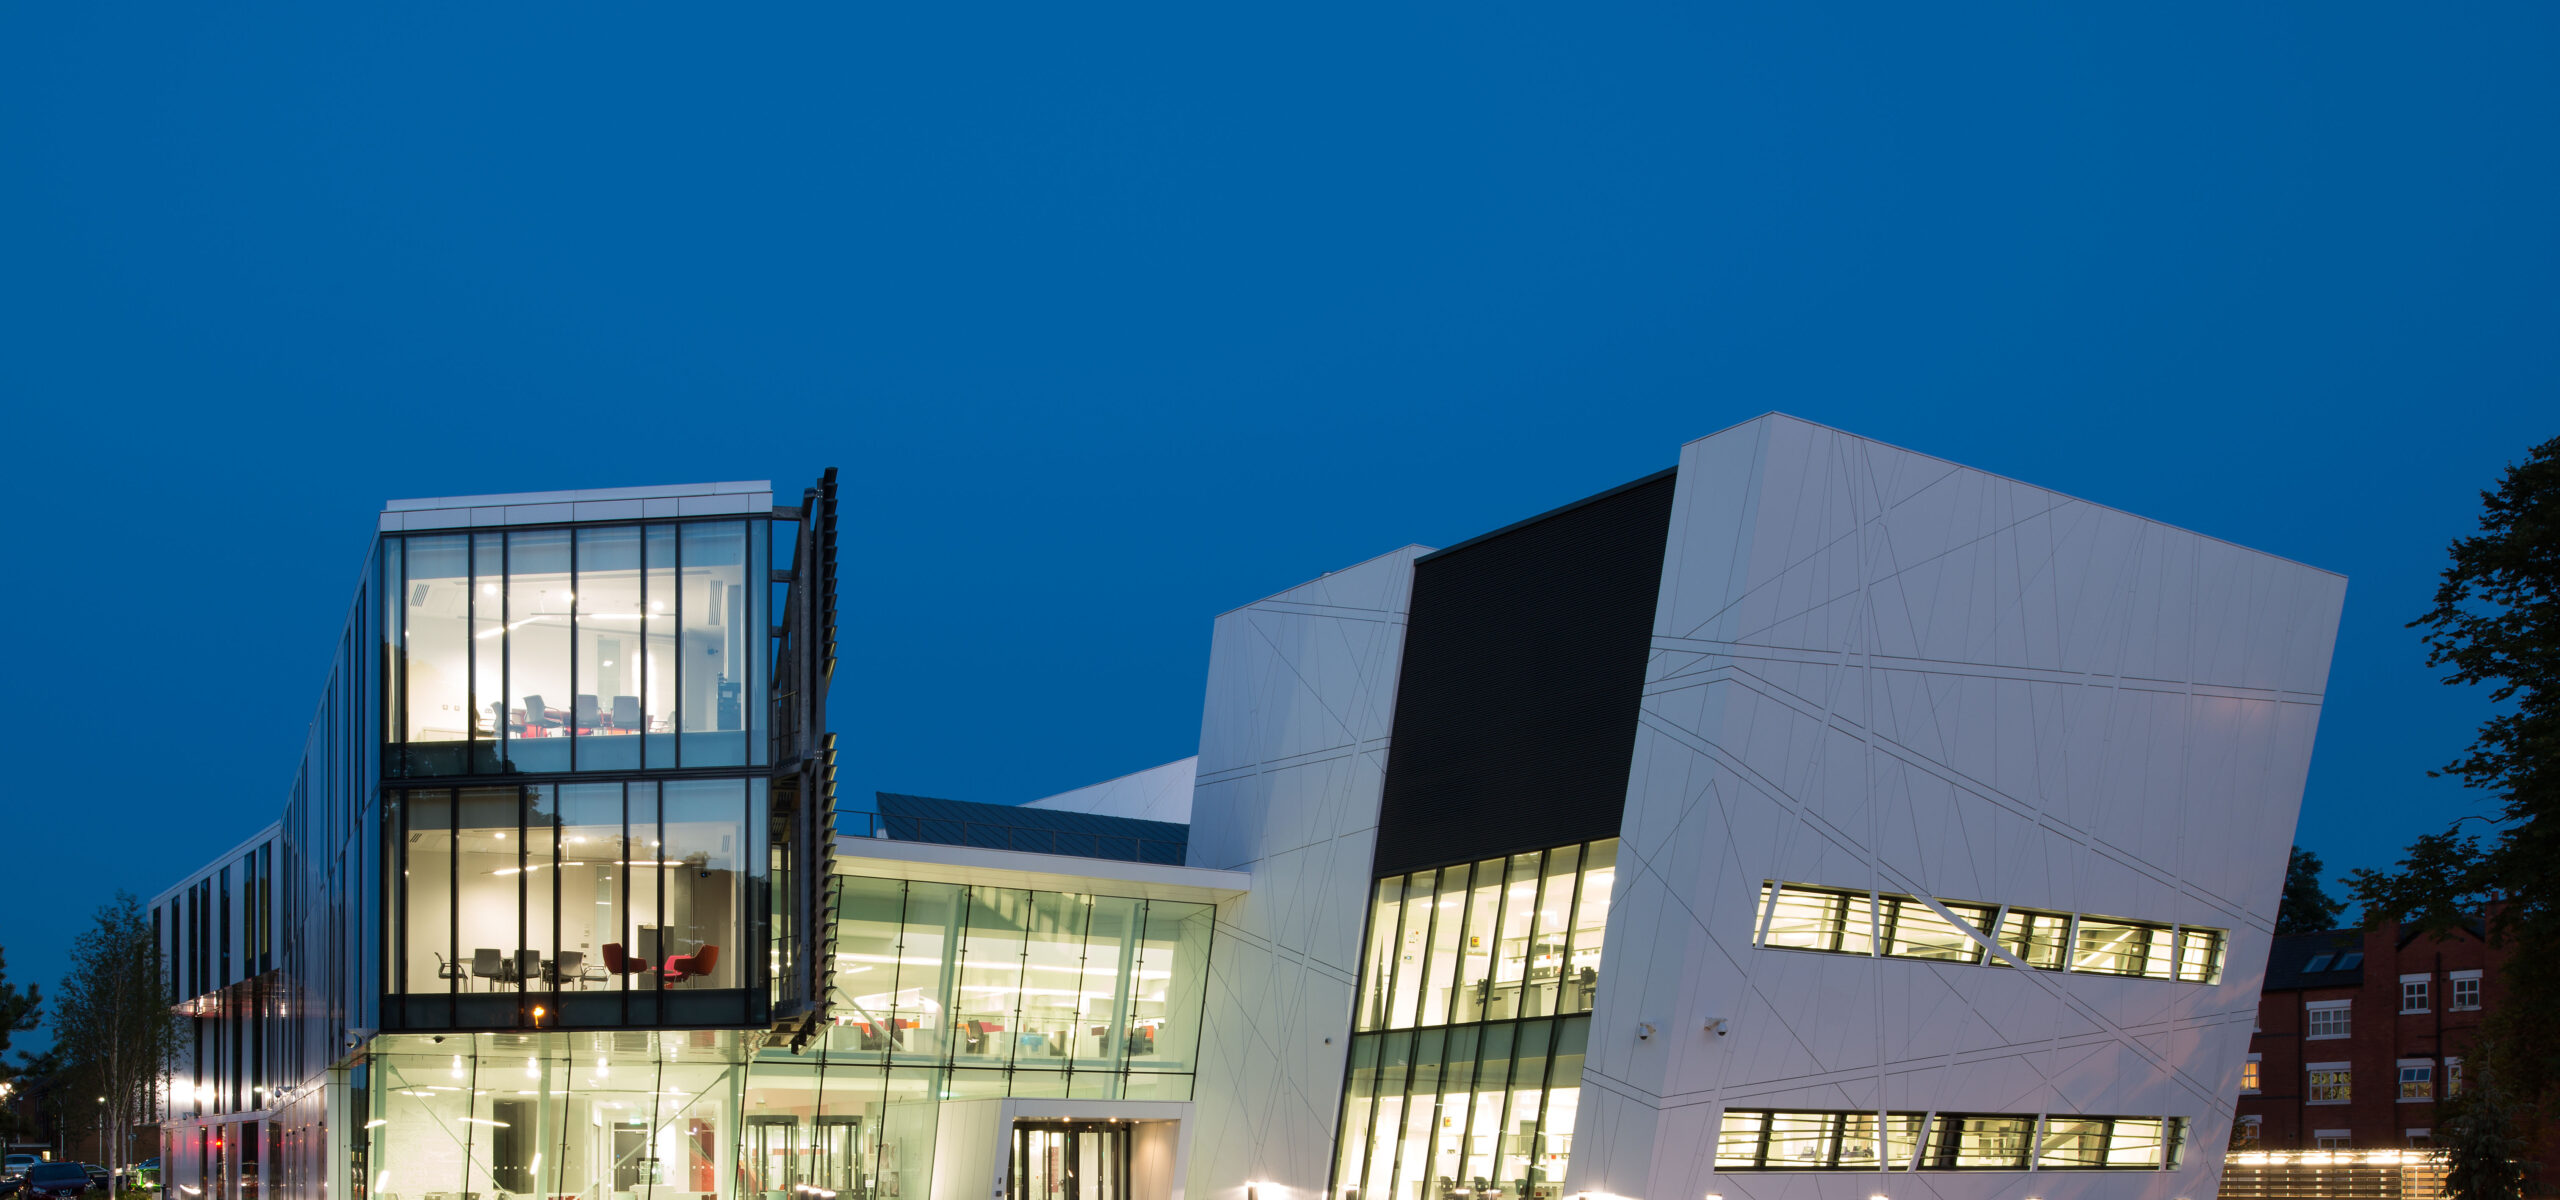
{"x": 1813, "y": 818}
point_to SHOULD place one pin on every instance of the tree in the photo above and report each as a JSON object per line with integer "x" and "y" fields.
{"x": 2484, "y": 1152}
{"x": 115, "y": 1031}
{"x": 2307, "y": 907}
{"x": 19, "y": 1012}
{"x": 2496, "y": 621}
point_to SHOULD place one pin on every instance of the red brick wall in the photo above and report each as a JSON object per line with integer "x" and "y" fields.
{"x": 2380, "y": 1036}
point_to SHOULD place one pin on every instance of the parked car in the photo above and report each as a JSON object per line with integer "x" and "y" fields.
{"x": 98, "y": 1175}
{"x": 48, "y": 1180}
{"x": 17, "y": 1165}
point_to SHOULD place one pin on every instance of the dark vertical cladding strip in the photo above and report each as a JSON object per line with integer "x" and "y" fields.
{"x": 1523, "y": 671}
{"x": 802, "y": 778}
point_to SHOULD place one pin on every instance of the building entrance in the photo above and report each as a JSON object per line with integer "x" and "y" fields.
{"x": 785, "y": 1155}
{"x": 1070, "y": 1160}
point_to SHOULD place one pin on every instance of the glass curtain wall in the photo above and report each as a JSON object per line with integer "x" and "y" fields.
{"x": 1466, "y": 1063}
{"x": 648, "y": 1115}
{"x": 619, "y": 900}
{"x": 1021, "y": 993}
{"x": 587, "y": 648}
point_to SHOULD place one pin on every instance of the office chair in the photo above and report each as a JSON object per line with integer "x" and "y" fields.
{"x": 485, "y": 964}
{"x": 537, "y": 715}
{"x": 626, "y": 712}
{"x": 587, "y": 714}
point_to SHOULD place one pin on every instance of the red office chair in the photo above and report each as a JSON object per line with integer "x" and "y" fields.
{"x": 619, "y": 961}
{"x": 700, "y": 962}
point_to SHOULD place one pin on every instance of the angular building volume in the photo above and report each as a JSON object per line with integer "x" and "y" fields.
{"x": 1814, "y": 818}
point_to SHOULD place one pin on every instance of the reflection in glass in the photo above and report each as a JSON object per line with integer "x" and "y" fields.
{"x": 659, "y": 663}
{"x": 606, "y": 710}
{"x": 489, "y": 713}
{"x": 435, "y": 620}
{"x": 540, "y": 602}
{"x": 714, "y": 613}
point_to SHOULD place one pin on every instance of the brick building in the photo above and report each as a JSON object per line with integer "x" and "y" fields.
{"x": 2360, "y": 1035}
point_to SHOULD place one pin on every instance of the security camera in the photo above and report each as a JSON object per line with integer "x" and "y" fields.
{"x": 1716, "y": 1026}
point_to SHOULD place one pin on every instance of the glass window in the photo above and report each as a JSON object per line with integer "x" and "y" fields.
{"x": 1548, "y": 940}
{"x": 592, "y": 849}
{"x": 716, "y": 650}
{"x": 704, "y": 832}
{"x": 990, "y": 976}
{"x": 427, "y": 880}
{"x": 1422, "y": 1106}
{"x": 928, "y": 951}
{"x": 1799, "y": 1140}
{"x": 1738, "y": 1144}
{"x": 2200, "y": 955}
{"x": 1511, "y": 945}
{"x": 2330, "y": 1084}
{"x": 2452, "y": 1077}
{"x": 1053, "y": 991}
{"x": 2329, "y": 1019}
{"x": 436, "y": 624}
{"x": 2073, "y": 1142}
{"x": 2466, "y": 991}
{"x": 1448, "y": 923}
{"x": 1914, "y": 930}
{"x": 1524, "y": 1156}
{"x": 2417, "y": 1081}
{"x": 2413, "y": 993}
{"x": 606, "y": 710}
{"x": 2136, "y": 1142}
{"x": 1805, "y": 918}
{"x": 1360, "y": 1097}
{"x": 2107, "y": 947}
{"x": 1111, "y": 964}
{"x": 540, "y": 601}
{"x": 1377, "y": 972}
{"x": 2249, "y": 1074}
{"x": 1170, "y": 986}
{"x": 492, "y": 720}
{"x": 659, "y": 663}
{"x": 1965, "y": 1142}
{"x": 1412, "y": 943}
{"x": 1475, "y": 955}
{"x": 1590, "y": 921}
{"x": 1395, "y": 1067}
{"x": 2035, "y": 938}
{"x": 488, "y": 883}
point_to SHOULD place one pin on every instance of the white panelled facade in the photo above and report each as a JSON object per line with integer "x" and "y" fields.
{"x": 1293, "y": 749}
{"x": 1873, "y": 669}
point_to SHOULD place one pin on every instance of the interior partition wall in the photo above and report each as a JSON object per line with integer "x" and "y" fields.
{"x": 1466, "y": 1061}
{"x": 606, "y": 903}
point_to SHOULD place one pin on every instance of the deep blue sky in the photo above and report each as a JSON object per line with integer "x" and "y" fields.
{"x": 1117, "y": 318}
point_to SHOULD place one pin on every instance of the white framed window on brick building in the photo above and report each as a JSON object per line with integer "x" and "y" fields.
{"x": 2329, "y": 1139}
{"x": 2327, "y": 1018}
{"x": 2413, "y": 993}
{"x": 2417, "y": 1080}
{"x": 2249, "y": 1075}
{"x": 2466, "y": 991}
{"x": 2329, "y": 1083}
{"x": 2420, "y": 1139}
{"x": 2452, "y": 1076}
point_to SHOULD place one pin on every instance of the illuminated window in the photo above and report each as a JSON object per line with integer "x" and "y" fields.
{"x": 2417, "y": 1079}
{"x": 2249, "y": 1074}
{"x": 2329, "y": 1083}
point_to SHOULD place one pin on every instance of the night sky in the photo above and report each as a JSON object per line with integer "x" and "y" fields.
{"x": 1116, "y": 318}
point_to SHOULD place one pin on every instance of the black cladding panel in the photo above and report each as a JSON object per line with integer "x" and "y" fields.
{"x": 1524, "y": 663}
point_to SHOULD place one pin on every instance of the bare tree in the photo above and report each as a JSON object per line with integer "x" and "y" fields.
{"x": 113, "y": 1026}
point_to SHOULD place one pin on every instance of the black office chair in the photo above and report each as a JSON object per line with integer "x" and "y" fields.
{"x": 588, "y": 715}
{"x": 489, "y": 965}
{"x": 538, "y": 715}
{"x": 626, "y": 712}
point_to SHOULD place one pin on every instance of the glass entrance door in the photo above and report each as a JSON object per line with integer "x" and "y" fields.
{"x": 1070, "y": 1160}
